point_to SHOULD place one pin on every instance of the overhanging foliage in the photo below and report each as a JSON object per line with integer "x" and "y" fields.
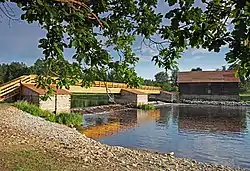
{"x": 93, "y": 27}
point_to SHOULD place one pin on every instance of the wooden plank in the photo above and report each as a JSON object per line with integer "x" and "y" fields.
{"x": 12, "y": 81}
{"x": 9, "y": 91}
{"x": 9, "y": 96}
{"x": 94, "y": 90}
{"x": 15, "y": 81}
{"x": 10, "y": 84}
{"x": 9, "y": 87}
{"x": 149, "y": 91}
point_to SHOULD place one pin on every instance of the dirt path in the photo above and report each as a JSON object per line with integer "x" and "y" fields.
{"x": 30, "y": 143}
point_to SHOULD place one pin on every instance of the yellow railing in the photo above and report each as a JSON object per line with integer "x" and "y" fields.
{"x": 122, "y": 85}
{"x": 12, "y": 88}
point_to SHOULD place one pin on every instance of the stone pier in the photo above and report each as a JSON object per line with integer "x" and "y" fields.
{"x": 165, "y": 96}
{"x": 131, "y": 96}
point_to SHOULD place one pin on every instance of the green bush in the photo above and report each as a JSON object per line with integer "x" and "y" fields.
{"x": 69, "y": 119}
{"x": 146, "y": 107}
{"x": 51, "y": 118}
{"x": 32, "y": 109}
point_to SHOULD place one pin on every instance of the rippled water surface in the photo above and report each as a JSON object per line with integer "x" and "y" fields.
{"x": 205, "y": 133}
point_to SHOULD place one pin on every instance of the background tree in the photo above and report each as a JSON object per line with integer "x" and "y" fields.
{"x": 161, "y": 77}
{"x": 149, "y": 82}
{"x": 12, "y": 71}
{"x": 39, "y": 67}
{"x": 161, "y": 80}
{"x": 3, "y": 69}
{"x": 173, "y": 78}
{"x": 196, "y": 69}
{"x": 223, "y": 68}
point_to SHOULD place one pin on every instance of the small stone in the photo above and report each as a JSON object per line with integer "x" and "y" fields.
{"x": 171, "y": 153}
{"x": 134, "y": 165}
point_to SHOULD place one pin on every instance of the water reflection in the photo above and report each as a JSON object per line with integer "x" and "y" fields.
{"x": 99, "y": 126}
{"x": 205, "y": 133}
{"x": 212, "y": 119}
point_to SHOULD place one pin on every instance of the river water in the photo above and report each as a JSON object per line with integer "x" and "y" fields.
{"x": 209, "y": 134}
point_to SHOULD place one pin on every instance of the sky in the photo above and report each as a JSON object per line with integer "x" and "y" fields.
{"x": 19, "y": 42}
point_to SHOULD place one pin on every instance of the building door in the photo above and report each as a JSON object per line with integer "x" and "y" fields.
{"x": 209, "y": 89}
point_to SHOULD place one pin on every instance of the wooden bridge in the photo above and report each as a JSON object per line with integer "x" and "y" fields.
{"x": 13, "y": 88}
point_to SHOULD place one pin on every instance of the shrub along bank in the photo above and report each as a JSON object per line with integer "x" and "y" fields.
{"x": 69, "y": 119}
{"x": 146, "y": 107}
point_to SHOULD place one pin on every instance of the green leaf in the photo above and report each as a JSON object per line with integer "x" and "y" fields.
{"x": 59, "y": 51}
{"x": 172, "y": 2}
{"x": 19, "y": 4}
{"x": 169, "y": 14}
{"x": 105, "y": 23}
{"x": 40, "y": 2}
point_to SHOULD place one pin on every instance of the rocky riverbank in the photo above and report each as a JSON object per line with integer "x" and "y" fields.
{"x": 221, "y": 103}
{"x": 102, "y": 109}
{"x": 31, "y": 143}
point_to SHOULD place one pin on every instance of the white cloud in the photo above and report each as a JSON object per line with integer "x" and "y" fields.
{"x": 194, "y": 51}
{"x": 198, "y": 57}
{"x": 225, "y": 46}
{"x": 149, "y": 51}
{"x": 146, "y": 53}
{"x": 145, "y": 58}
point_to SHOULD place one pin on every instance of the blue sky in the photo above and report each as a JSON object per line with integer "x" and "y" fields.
{"x": 19, "y": 41}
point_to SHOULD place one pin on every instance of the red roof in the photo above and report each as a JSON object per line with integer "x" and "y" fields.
{"x": 41, "y": 91}
{"x": 208, "y": 77}
{"x": 167, "y": 92}
{"x": 134, "y": 91}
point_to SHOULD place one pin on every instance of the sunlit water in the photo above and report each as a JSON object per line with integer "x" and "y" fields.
{"x": 206, "y": 133}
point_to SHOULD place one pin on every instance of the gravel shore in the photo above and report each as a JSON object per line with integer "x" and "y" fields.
{"x": 217, "y": 103}
{"x": 57, "y": 147}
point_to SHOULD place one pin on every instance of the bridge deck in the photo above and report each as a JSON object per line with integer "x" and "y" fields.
{"x": 13, "y": 87}
{"x": 102, "y": 90}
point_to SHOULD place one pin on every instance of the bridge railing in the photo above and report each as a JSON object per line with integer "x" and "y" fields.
{"x": 12, "y": 87}
{"x": 122, "y": 85}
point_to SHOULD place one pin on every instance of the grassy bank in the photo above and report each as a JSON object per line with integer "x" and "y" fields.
{"x": 30, "y": 160}
{"x": 69, "y": 119}
{"x": 88, "y": 100}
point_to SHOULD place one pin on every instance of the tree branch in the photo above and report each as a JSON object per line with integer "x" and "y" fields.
{"x": 7, "y": 14}
{"x": 84, "y": 6}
